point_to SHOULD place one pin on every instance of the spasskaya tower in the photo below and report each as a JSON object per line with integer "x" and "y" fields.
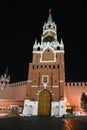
{"x": 46, "y": 77}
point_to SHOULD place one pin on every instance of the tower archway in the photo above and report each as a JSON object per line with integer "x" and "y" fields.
{"x": 44, "y": 103}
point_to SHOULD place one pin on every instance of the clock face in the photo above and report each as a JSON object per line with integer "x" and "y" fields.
{"x": 48, "y": 39}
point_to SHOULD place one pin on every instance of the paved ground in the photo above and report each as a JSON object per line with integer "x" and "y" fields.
{"x": 41, "y": 123}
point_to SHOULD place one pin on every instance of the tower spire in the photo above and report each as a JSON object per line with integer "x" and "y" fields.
{"x": 50, "y": 16}
{"x": 6, "y": 71}
{"x": 50, "y": 10}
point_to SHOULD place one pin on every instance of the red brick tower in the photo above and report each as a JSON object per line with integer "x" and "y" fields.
{"x": 46, "y": 72}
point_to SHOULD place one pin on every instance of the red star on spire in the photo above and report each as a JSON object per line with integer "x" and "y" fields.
{"x": 50, "y": 10}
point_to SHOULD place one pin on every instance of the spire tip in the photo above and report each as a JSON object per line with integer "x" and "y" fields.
{"x": 50, "y": 10}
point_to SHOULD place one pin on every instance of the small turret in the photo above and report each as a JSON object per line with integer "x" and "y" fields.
{"x": 4, "y": 80}
{"x": 62, "y": 44}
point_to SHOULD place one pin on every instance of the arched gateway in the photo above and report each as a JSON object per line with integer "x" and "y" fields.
{"x": 44, "y": 103}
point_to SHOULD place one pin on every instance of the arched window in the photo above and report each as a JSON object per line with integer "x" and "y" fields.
{"x": 38, "y": 49}
{"x": 58, "y": 48}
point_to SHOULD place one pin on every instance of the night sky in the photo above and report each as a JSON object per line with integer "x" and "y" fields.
{"x": 21, "y": 22}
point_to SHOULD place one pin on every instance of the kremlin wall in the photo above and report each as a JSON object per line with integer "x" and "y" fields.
{"x": 45, "y": 92}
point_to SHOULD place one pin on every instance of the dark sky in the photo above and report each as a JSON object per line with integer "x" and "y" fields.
{"x": 22, "y": 21}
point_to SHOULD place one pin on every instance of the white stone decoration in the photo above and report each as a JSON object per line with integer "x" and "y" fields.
{"x": 30, "y": 108}
{"x": 58, "y": 108}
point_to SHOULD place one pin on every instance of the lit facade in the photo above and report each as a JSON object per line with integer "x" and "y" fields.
{"x": 46, "y": 74}
{"x": 45, "y": 92}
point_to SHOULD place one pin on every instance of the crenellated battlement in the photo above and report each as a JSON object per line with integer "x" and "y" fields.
{"x": 76, "y": 84}
{"x": 18, "y": 84}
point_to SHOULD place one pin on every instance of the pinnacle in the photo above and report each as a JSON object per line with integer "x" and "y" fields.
{"x": 50, "y": 16}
